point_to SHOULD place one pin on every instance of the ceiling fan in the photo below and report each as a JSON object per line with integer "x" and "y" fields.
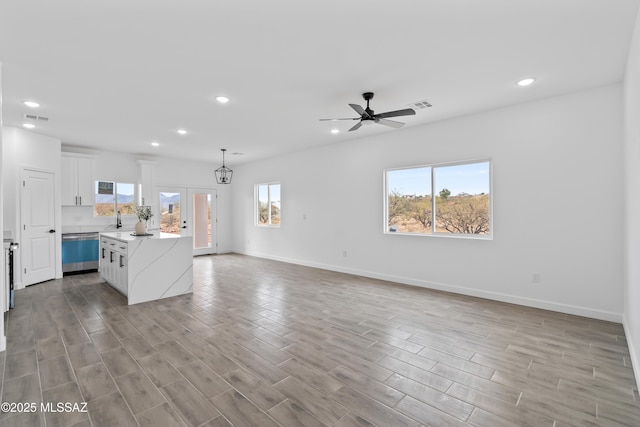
{"x": 367, "y": 115}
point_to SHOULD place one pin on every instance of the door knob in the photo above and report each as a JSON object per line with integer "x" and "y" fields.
{"x": 52, "y": 231}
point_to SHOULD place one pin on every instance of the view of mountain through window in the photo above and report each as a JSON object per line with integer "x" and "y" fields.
{"x": 114, "y": 197}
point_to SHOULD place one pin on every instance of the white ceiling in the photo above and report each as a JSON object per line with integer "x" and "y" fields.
{"x": 118, "y": 74}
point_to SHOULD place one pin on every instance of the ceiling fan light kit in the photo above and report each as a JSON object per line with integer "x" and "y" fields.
{"x": 368, "y": 116}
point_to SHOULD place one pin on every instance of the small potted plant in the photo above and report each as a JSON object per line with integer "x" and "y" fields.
{"x": 143, "y": 212}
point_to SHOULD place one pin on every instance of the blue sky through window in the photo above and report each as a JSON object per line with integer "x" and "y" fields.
{"x": 414, "y": 181}
{"x": 471, "y": 178}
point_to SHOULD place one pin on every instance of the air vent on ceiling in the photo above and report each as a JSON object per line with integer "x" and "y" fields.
{"x": 420, "y": 104}
{"x": 36, "y": 117}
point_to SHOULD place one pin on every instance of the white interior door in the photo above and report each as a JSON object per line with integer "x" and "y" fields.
{"x": 37, "y": 244}
{"x": 202, "y": 213}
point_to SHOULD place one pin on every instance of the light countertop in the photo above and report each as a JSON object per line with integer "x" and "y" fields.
{"x": 95, "y": 228}
{"x": 126, "y": 236}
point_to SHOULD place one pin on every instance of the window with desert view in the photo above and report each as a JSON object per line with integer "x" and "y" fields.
{"x": 268, "y": 204}
{"x": 443, "y": 199}
{"x": 112, "y": 197}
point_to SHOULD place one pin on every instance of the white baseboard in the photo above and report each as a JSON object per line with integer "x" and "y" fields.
{"x": 3, "y": 343}
{"x": 635, "y": 361}
{"x": 496, "y": 296}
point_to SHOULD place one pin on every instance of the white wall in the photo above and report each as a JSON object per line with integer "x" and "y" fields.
{"x": 558, "y": 196}
{"x": 25, "y": 149}
{"x": 122, "y": 167}
{"x": 3, "y": 337}
{"x": 632, "y": 198}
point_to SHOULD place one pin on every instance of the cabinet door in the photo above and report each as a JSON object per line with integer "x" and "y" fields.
{"x": 85, "y": 182}
{"x": 69, "y": 181}
{"x": 111, "y": 266}
{"x": 122, "y": 274}
{"x": 103, "y": 259}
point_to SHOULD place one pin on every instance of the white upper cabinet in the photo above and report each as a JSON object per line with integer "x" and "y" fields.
{"x": 77, "y": 180}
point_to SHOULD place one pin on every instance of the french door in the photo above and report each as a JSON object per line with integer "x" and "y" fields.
{"x": 190, "y": 212}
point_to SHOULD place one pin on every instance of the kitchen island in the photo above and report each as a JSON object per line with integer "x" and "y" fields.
{"x": 147, "y": 268}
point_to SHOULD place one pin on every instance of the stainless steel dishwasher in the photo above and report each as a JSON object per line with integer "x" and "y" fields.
{"x": 80, "y": 252}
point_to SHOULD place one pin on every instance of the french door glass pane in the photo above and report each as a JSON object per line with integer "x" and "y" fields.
{"x": 201, "y": 220}
{"x": 169, "y": 212}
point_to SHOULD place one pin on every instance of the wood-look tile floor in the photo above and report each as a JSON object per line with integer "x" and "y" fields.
{"x": 263, "y": 343}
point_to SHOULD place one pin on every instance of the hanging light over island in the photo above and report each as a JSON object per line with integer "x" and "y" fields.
{"x": 223, "y": 173}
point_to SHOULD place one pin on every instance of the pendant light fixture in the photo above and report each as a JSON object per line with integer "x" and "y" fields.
{"x": 223, "y": 174}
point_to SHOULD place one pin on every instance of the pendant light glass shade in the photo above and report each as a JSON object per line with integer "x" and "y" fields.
{"x": 223, "y": 173}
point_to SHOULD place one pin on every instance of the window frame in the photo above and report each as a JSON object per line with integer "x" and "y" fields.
{"x": 433, "y": 233}
{"x": 256, "y": 205}
{"x": 115, "y": 199}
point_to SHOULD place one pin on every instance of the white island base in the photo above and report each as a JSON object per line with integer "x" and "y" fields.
{"x": 147, "y": 268}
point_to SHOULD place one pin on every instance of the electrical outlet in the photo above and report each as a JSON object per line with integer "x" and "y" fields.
{"x": 535, "y": 278}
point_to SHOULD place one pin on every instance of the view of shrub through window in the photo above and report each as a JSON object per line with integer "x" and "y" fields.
{"x": 169, "y": 212}
{"x": 117, "y": 197}
{"x": 268, "y": 204}
{"x": 440, "y": 199}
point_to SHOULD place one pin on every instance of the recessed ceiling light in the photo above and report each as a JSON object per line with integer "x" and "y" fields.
{"x": 28, "y": 125}
{"x": 31, "y": 104}
{"x": 182, "y": 131}
{"x": 222, "y": 99}
{"x": 526, "y": 82}
{"x": 335, "y": 131}
{"x": 155, "y": 143}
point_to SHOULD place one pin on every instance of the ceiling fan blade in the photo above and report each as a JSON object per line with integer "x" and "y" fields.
{"x": 356, "y": 126}
{"x": 390, "y": 123}
{"x": 359, "y": 110}
{"x": 334, "y": 120}
{"x": 406, "y": 112}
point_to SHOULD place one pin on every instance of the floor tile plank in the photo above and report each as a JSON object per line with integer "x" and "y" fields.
{"x": 189, "y": 403}
{"x": 241, "y": 412}
{"x": 325, "y": 409}
{"x": 94, "y": 381}
{"x": 139, "y": 392}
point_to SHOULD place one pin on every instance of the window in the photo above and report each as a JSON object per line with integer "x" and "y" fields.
{"x": 112, "y": 197}
{"x": 268, "y": 204}
{"x": 439, "y": 199}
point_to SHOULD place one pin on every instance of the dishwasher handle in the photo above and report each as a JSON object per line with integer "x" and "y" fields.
{"x": 80, "y": 236}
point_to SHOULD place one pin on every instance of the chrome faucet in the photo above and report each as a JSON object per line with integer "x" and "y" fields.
{"x": 119, "y": 221}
